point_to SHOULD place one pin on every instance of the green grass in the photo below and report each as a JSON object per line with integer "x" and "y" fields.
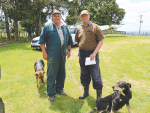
{"x": 121, "y": 58}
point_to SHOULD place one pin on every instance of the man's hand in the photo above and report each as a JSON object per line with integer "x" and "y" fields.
{"x": 68, "y": 54}
{"x": 45, "y": 56}
{"x": 92, "y": 56}
{"x": 100, "y": 43}
{"x": 69, "y": 51}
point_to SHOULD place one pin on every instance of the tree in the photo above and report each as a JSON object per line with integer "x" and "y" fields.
{"x": 102, "y": 12}
{"x": 30, "y": 20}
{"x": 111, "y": 27}
{"x": 5, "y": 6}
{"x": 2, "y": 23}
{"x": 73, "y": 12}
{"x": 50, "y": 4}
{"x": 15, "y": 13}
{"x": 108, "y": 13}
{"x": 29, "y": 13}
{"x": 34, "y": 17}
{"x": 39, "y": 5}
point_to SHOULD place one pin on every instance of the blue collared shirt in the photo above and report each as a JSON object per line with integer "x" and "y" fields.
{"x": 50, "y": 37}
{"x": 88, "y": 24}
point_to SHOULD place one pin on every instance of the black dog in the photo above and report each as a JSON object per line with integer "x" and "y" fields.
{"x": 117, "y": 100}
{"x": 39, "y": 71}
{"x": 2, "y": 106}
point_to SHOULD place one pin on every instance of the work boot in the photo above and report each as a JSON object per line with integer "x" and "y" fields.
{"x": 86, "y": 92}
{"x": 63, "y": 93}
{"x": 99, "y": 95}
{"x": 51, "y": 98}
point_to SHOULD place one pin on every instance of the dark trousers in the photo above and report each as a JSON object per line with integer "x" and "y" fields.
{"x": 55, "y": 76}
{"x": 90, "y": 71}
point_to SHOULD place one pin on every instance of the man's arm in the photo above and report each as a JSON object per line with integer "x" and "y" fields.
{"x": 78, "y": 44}
{"x": 99, "y": 45}
{"x": 68, "y": 51}
{"x": 45, "y": 56}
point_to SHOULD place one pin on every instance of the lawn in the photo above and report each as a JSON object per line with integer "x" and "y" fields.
{"x": 121, "y": 58}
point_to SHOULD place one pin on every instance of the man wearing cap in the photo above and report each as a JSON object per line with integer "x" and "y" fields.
{"x": 89, "y": 38}
{"x": 57, "y": 38}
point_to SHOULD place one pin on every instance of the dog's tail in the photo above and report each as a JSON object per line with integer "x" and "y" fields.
{"x": 95, "y": 109}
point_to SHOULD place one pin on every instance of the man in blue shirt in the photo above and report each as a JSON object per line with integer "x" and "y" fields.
{"x": 57, "y": 38}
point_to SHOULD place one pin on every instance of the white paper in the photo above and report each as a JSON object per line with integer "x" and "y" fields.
{"x": 89, "y": 62}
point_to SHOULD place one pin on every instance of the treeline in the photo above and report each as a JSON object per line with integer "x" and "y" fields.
{"x": 32, "y": 14}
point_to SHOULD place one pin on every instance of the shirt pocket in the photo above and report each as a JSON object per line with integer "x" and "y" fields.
{"x": 50, "y": 35}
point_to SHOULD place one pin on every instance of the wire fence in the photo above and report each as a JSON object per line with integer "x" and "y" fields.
{"x": 138, "y": 34}
{"x": 22, "y": 37}
{"x": 112, "y": 32}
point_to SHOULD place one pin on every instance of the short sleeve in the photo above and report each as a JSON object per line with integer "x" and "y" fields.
{"x": 76, "y": 36}
{"x": 70, "y": 42}
{"x": 42, "y": 36}
{"x": 99, "y": 34}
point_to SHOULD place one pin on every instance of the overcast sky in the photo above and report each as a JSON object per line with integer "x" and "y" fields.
{"x": 133, "y": 9}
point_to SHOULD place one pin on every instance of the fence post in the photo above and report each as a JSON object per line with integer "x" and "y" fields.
{"x": 26, "y": 36}
{"x": 15, "y": 36}
{"x": 6, "y": 37}
{"x": 19, "y": 36}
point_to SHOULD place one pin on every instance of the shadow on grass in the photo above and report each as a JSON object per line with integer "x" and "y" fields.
{"x": 37, "y": 50}
{"x": 68, "y": 104}
{"x": 42, "y": 90}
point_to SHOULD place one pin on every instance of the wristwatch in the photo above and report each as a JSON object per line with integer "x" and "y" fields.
{"x": 69, "y": 49}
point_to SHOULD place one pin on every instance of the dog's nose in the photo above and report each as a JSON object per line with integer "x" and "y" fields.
{"x": 113, "y": 87}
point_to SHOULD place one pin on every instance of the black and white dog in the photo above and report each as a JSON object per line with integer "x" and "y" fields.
{"x": 121, "y": 96}
{"x": 39, "y": 71}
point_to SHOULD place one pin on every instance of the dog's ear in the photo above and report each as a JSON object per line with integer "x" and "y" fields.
{"x": 129, "y": 85}
{"x": 36, "y": 73}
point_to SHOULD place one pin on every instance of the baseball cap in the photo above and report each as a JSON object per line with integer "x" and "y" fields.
{"x": 56, "y": 11}
{"x": 84, "y": 12}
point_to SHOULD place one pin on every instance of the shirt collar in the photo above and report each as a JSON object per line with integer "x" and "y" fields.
{"x": 88, "y": 24}
{"x": 61, "y": 24}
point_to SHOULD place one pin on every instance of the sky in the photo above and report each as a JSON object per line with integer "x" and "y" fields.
{"x": 133, "y": 9}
